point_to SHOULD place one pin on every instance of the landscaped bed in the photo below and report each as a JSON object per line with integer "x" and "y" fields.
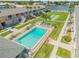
{"x": 66, "y": 39}
{"x": 63, "y": 53}
{"x": 30, "y": 22}
{"x": 44, "y": 51}
{"x": 3, "y": 30}
{"x": 6, "y": 33}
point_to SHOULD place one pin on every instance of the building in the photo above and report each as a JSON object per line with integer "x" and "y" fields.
{"x": 10, "y": 49}
{"x": 11, "y": 16}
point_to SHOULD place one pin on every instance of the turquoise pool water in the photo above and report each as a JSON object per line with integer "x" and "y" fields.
{"x": 31, "y": 38}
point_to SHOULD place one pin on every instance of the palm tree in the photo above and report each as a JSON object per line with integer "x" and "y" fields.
{"x": 7, "y": 5}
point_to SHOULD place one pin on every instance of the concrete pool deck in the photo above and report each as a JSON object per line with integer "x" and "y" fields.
{"x": 40, "y": 43}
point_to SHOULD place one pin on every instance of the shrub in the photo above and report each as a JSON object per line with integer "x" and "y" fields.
{"x": 67, "y": 38}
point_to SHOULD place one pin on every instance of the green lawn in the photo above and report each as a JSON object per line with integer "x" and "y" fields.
{"x": 58, "y": 27}
{"x": 44, "y": 51}
{"x": 5, "y": 33}
{"x": 58, "y": 23}
{"x": 63, "y": 53}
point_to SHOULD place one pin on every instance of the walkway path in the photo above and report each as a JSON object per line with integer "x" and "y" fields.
{"x": 63, "y": 45}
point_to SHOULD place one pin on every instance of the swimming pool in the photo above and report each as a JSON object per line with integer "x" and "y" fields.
{"x": 32, "y": 38}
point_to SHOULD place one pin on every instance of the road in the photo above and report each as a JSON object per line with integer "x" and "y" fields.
{"x": 76, "y": 20}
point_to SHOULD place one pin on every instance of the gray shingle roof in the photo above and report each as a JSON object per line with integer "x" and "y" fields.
{"x": 9, "y": 49}
{"x": 12, "y": 11}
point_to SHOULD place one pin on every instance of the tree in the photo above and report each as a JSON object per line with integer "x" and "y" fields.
{"x": 7, "y": 5}
{"x": 44, "y": 15}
